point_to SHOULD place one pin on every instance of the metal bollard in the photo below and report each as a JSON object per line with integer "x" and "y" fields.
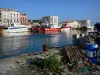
{"x": 45, "y": 48}
{"x": 75, "y": 39}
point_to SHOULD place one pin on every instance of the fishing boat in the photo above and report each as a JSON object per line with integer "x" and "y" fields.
{"x": 13, "y": 28}
{"x": 47, "y": 30}
{"x": 67, "y": 27}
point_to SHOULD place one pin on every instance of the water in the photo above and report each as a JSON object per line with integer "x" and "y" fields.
{"x": 13, "y": 44}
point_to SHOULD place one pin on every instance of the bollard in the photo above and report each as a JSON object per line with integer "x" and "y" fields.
{"x": 45, "y": 48}
{"x": 80, "y": 35}
{"x": 82, "y": 42}
{"x": 75, "y": 39}
{"x": 77, "y": 36}
{"x": 83, "y": 35}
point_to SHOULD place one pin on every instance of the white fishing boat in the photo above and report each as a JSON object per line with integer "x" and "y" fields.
{"x": 13, "y": 28}
{"x": 66, "y": 28}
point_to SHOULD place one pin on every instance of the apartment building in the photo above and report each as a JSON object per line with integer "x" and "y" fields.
{"x": 23, "y": 18}
{"x": 9, "y": 16}
{"x": 51, "y": 21}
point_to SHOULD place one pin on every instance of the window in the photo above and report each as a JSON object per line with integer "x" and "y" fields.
{"x": 55, "y": 20}
{"x": 24, "y": 22}
{"x": 14, "y": 20}
{"x": 12, "y": 25}
{"x": 21, "y": 17}
{"x": 17, "y": 21}
{"x": 10, "y": 20}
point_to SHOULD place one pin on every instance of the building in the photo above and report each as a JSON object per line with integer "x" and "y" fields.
{"x": 51, "y": 21}
{"x": 72, "y": 23}
{"x": 34, "y": 22}
{"x": 84, "y": 22}
{"x": 30, "y": 22}
{"x": 77, "y": 23}
{"x": 23, "y": 19}
{"x": 88, "y": 23}
{"x": 9, "y": 16}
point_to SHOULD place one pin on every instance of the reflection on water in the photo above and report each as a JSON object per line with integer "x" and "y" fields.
{"x": 18, "y": 43}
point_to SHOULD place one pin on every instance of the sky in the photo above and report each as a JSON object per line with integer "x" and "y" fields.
{"x": 64, "y": 9}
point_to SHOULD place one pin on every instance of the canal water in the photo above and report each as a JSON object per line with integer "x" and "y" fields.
{"x": 12, "y": 44}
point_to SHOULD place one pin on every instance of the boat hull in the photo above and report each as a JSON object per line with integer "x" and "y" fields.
{"x": 16, "y": 30}
{"x": 46, "y": 30}
{"x": 65, "y": 29}
{"x": 52, "y": 30}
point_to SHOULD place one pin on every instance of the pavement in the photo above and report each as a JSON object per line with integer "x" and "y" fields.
{"x": 14, "y": 66}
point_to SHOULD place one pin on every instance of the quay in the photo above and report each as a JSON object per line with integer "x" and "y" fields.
{"x": 71, "y": 55}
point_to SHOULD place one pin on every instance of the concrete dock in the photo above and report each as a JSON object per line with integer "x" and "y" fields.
{"x": 14, "y": 66}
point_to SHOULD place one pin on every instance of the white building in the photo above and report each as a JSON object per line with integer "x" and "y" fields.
{"x": 9, "y": 16}
{"x": 51, "y": 21}
{"x": 78, "y": 23}
{"x": 74, "y": 24}
{"x": 88, "y": 23}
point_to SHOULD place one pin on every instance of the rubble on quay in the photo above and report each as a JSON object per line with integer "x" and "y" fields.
{"x": 74, "y": 62}
{"x": 75, "y": 54}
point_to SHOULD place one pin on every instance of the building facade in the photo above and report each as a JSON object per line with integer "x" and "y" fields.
{"x": 77, "y": 23}
{"x": 9, "y": 16}
{"x": 51, "y": 21}
{"x": 34, "y": 22}
{"x": 88, "y": 23}
{"x": 23, "y": 19}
